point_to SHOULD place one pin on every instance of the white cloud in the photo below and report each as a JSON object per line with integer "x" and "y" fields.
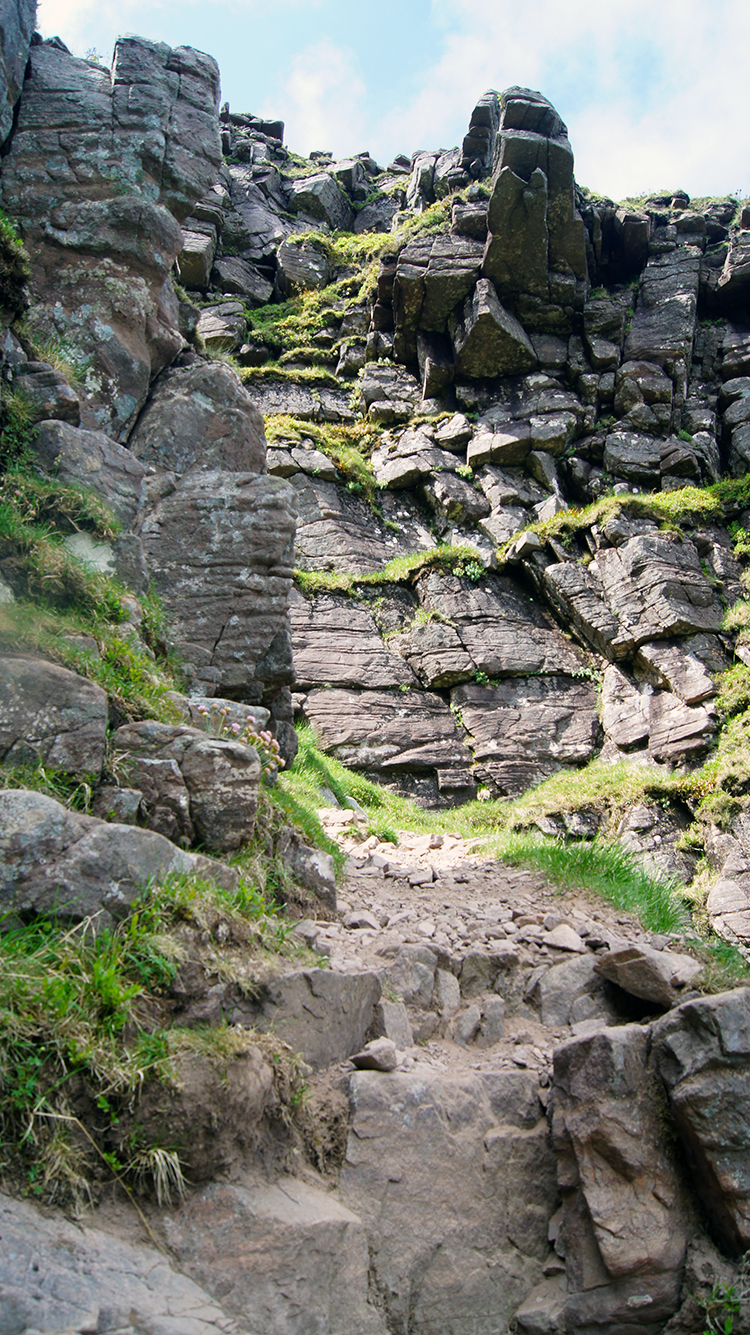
{"x": 652, "y": 94}
{"x": 320, "y": 95}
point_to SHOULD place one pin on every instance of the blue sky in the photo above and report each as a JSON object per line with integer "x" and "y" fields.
{"x": 654, "y": 92}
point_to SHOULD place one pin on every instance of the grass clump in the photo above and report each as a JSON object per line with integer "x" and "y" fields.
{"x": 16, "y": 426}
{"x": 68, "y": 611}
{"x": 459, "y": 561}
{"x": 315, "y": 376}
{"x": 122, "y": 664}
{"x": 349, "y": 446}
{"x": 606, "y": 870}
{"x": 670, "y": 508}
{"x": 14, "y": 270}
{"x": 81, "y": 1031}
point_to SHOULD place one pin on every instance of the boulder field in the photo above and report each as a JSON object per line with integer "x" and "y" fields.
{"x": 445, "y": 459}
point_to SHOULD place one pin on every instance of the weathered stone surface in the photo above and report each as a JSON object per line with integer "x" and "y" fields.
{"x": 702, "y": 1051}
{"x": 625, "y": 710}
{"x": 47, "y": 393}
{"x": 201, "y": 417}
{"x": 51, "y": 715}
{"x": 478, "y": 145}
{"x": 672, "y": 665}
{"x": 728, "y": 906}
{"x": 391, "y": 1020}
{"x": 390, "y": 383}
{"x": 432, "y": 276}
{"x": 676, "y": 730}
{"x": 508, "y": 445}
{"x": 223, "y": 327}
{"x": 536, "y": 237}
{"x": 321, "y": 197}
{"x": 59, "y": 1276}
{"x": 658, "y": 587}
{"x": 337, "y": 643}
{"x": 454, "y": 500}
{"x": 487, "y": 339}
{"x": 436, "y": 653}
{"x": 338, "y": 531}
{"x": 663, "y": 325}
{"x": 254, "y": 228}
{"x": 196, "y": 788}
{"x": 523, "y": 730}
{"x": 378, "y": 1055}
{"x": 634, "y": 458}
{"x": 55, "y": 861}
{"x": 322, "y": 1014}
{"x": 455, "y": 1206}
{"x": 502, "y": 631}
{"x": 659, "y": 976}
{"x": 387, "y": 733}
{"x": 232, "y": 274}
{"x": 287, "y": 1259}
{"x": 578, "y": 594}
{"x": 18, "y": 21}
{"x": 91, "y": 460}
{"x": 226, "y": 588}
{"x": 196, "y": 258}
{"x": 413, "y": 976}
{"x": 734, "y": 280}
{"x": 101, "y": 169}
{"x": 625, "y": 1224}
{"x": 572, "y": 992}
{"x": 302, "y": 265}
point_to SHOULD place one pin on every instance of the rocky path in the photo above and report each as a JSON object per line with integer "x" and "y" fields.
{"x": 492, "y": 965}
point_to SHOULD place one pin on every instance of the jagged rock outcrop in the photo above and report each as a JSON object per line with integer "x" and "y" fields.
{"x": 476, "y": 387}
{"x": 535, "y": 253}
{"x": 98, "y": 162}
{"x": 17, "y": 27}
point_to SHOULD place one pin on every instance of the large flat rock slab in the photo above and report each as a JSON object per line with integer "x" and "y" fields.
{"x": 625, "y": 1223}
{"x": 336, "y": 642}
{"x": 338, "y": 530}
{"x": 658, "y": 588}
{"x": 226, "y": 590}
{"x": 287, "y": 1257}
{"x": 375, "y": 730}
{"x": 501, "y": 629}
{"x": 323, "y": 1015}
{"x": 455, "y": 1203}
{"x": 58, "y": 1276}
{"x": 522, "y": 730}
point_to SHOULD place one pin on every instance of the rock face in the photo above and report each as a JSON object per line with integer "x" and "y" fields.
{"x": 535, "y": 248}
{"x": 702, "y": 1052}
{"x": 292, "y": 1261}
{"x": 229, "y": 612}
{"x": 498, "y": 1114}
{"x": 200, "y": 416}
{"x": 625, "y": 1221}
{"x": 61, "y": 1276}
{"x": 195, "y": 789}
{"x": 97, "y": 161}
{"x": 17, "y": 27}
{"x": 52, "y": 715}
{"x": 436, "y": 1147}
{"x": 57, "y": 862}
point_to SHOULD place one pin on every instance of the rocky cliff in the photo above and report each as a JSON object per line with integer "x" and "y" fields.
{"x": 449, "y": 459}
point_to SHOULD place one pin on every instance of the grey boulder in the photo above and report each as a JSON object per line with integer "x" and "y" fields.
{"x": 58, "y": 862}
